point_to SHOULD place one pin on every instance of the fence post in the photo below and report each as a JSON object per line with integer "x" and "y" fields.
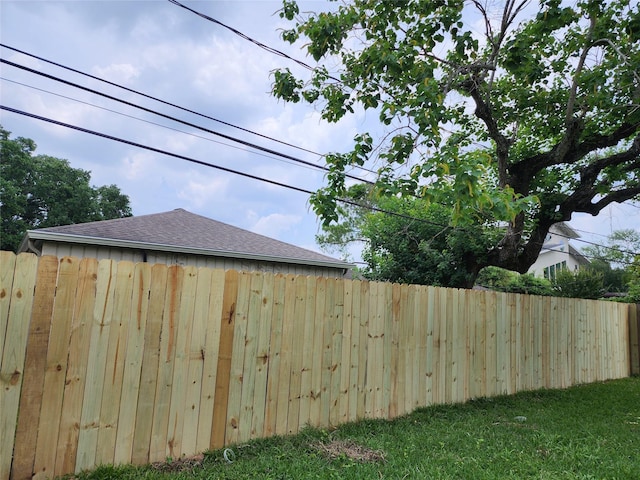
{"x": 634, "y": 338}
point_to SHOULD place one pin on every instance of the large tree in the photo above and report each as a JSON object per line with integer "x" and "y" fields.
{"x": 38, "y": 191}
{"x": 522, "y": 112}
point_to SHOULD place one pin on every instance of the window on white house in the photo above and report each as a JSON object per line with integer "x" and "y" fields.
{"x": 551, "y": 271}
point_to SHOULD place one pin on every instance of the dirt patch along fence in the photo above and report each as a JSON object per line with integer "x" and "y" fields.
{"x": 113, "y": 362}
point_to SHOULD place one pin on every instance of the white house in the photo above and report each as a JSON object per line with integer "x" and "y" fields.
{"x": 557, "y": 253}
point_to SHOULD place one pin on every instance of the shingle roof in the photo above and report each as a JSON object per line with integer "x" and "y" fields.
{"x": 182, "y": 229}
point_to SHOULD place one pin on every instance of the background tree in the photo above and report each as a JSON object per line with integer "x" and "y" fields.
{"x": 615, "y": 259}
{"x": 621, "y": 248}
{"x": 526, "y": 122}
{"x": 38, "y": 191}
{"x": 411, "y": 244}
{"x": 634, "y": 282}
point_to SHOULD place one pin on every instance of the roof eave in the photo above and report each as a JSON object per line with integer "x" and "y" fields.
{"x": 110, "y": 242}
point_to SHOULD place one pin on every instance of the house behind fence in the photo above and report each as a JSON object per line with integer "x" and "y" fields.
{"x": 114, "y": 362}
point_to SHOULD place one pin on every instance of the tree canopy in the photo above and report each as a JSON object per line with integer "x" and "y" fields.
{"x": 518, "y": 112}
{"x": 38, "y": 191}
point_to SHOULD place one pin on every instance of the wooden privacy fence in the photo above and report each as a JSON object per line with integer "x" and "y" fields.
{"x": 115, "y": 362}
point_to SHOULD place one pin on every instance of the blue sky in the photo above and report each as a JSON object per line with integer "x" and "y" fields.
{"x": 167, "y": 52}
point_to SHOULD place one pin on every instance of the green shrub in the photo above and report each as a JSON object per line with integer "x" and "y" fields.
{"x": 583, "y": 283}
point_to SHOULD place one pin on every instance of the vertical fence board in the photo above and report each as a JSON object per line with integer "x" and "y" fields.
{"x": 305, "y": 343}
{"x": 345, "y": 357}
{"x": 317, "y": 339}
{"x": 236, "y": 383}
{"x": 374, "y": 352}
{"x": 212, "y": 318}
{"x": 77, "y": 367}
{"x": 363, "y": 341}
{"x": 491, "y": 360}
{"x": 336, "y": 349}
{"x": 400, "y": 370}
{"x": 634, "y": 337}
{"x": 180, "y": 374}
{"x": 430, "y": 322}
{"x": 56, "y": 367}
{"x": 440, "y": 347}
{"x": 7, "y": 271}
{"x": 196, "y": 359}
{"x": 250, "y": 357}
{"x": 225, "y": 352}
{"x": 288, "y": 322}
{"x": 420, "y": 322}
{"x": 478, "y": 360}
{"x": 263, "y": 356}
{"x": 297, "y": 354}
{"x": 545, "y": 343}
{"x": 354, "y": 345}
{"x": 98, "y": 343}
{"x": 275, "y": 350}
{"x": 15, "y": 336}
{"x": 133, "y": 363}
{"x": 35, "y": 360}
{"x": 387, "y": 321}
{"x": 118, "y": 339}
{"x": 150, "y": 363}
{"x": 327, "y": 343}
{"x": 502, "y": 345}
{"x": 168, "y": 339}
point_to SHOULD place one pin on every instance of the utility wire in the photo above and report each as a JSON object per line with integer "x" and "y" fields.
{"x": 142, "y": 94}
{"x": 158, "y": 99}
{"x": 152, "y": 123}
{"x": 153, "y": 149}
{"x": 211, "y": 165}
{"x": 248, "y": 38}
{"x": 213, "y": 132}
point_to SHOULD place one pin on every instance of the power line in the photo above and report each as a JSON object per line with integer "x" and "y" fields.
{"x": 218, "y": 167}
{"x": 158, "y": 99}
{"x": 148, "y": 110}
{"x": 150, "y": 122}
{"x": 248, "y": 38}
{"x": 154, "y": 149}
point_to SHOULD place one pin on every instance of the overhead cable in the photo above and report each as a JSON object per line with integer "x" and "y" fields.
{"x": 169, "y": 117}
{"x": 150, "y": 122}
{"x": 79, "y": 72}
{"x": 153, "y": 149}
{"x": 248, "y": 38}
{"x": 211, "y": 165}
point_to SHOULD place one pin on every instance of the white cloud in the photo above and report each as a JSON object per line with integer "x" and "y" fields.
{"x": 123, "y": 73}
{"x": 275, "y": 224}
{"x": 202, "y": 191}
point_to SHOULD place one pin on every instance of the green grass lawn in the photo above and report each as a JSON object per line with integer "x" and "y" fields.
{"x": 585, "y": 432}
